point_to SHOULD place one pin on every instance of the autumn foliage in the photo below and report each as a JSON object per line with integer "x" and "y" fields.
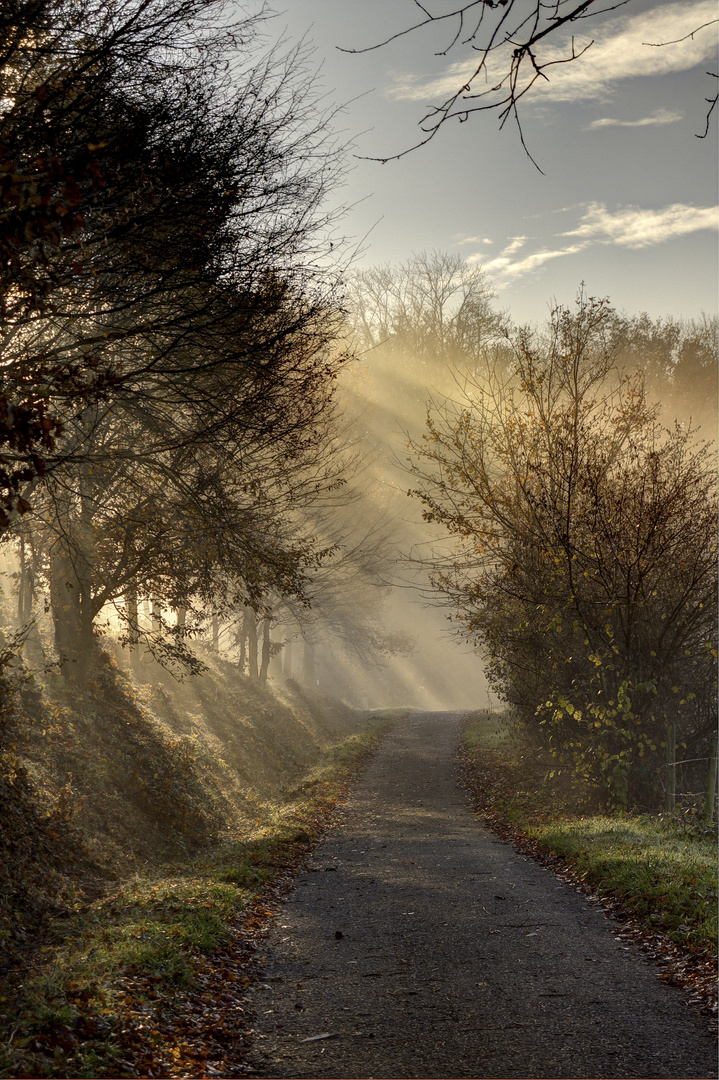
{"x": 584, "y": 564}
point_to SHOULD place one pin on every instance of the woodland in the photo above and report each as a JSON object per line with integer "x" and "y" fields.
{"x": 200, "y": 401}
{"x": 210, "y": 424}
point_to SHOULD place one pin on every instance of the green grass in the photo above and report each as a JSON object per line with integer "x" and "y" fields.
{"x": 658, "y": 868}
{"x": 393, "y": 712}
{"x": 486, "y": 729}
{"x": 145, "y": 942}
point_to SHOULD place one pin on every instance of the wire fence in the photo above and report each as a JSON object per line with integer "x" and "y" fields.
{"x": 691, "y": 782}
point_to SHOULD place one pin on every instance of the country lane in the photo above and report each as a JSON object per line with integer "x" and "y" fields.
{"x": 424, "y": 946}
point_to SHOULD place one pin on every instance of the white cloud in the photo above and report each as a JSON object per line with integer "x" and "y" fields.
{"x": 504, "y": 270}
{"x": 474, "y": 240}
{"x": 628, "y": 227}
{"x": 623, "y": 48}
{"x": 504, "y": 259}
{"x": 516, "y": 242}
{"x": 412, "y": 88}
{"x": 661, "y": 116}
{"x": 634, "y": 227}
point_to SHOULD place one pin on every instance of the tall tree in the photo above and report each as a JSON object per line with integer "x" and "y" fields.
{"x": 175, "y": 333}
{"x": 195, "y": 508}
{"x": 585, "y": 557}
{"x": 680, "y": 360}
{"x": 433, "y": 309}
{"x": 157, "y": 173}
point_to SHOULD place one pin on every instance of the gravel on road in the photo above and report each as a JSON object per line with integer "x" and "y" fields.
{"x": 418, "y": 944}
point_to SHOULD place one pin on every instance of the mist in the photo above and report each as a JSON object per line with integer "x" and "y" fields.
{"x": 367, "y": 628}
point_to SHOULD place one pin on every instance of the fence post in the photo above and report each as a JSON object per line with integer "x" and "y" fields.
{"x": 671, "y": 786}
{"x": 711, "y": 782}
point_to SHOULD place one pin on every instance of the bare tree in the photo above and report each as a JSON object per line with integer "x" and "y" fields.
{"x": 433, "y": 308}
{"x": 680, "y": 361}
{"x": 168, "y": 308}
{"x": 502, "y": 42}
{"x": 193, "y": 508}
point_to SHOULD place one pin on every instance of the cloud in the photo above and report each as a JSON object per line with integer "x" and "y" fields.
{"x": 413, "y": 88}
{"x": 627, "y": 227}
{"x": 516, "y": 242}
{"x": 504, "y": 270}
{"x": 503, "y": 259}
{"x": 474, "y": 240}
{"x": 624, "y": 47}
{"x": 634, "y": 227}
{"x": 661, "y": 116}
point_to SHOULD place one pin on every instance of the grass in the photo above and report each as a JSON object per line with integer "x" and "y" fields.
{"x": 392, "y": 712}
{"x": 658, "y": 869}
{"x": 141, "y": 949}
{"x": 487, "y": 730}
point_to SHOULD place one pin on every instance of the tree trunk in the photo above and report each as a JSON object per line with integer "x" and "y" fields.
{"x": 308, "y": 658}
{"x": 671, "y": 783}
{"x": 251, "y": 623}
{"x": 133, "y": 625}
{"x": 711, "y": 783}
{"x": 24, "y": 603}
{"x": 26, "y": 597}
{"x": 265, "y": 649}
{"x": 242, "y": 642}
{"x": 274, "y": 671}
{"x": 215, "y": 634}
{"x": 65, "y": 601}
{"x": 82, "y": 560}
{"x": 86, "y": 613}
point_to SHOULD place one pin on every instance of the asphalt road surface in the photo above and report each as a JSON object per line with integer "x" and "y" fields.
{"x": 420, "y": 945}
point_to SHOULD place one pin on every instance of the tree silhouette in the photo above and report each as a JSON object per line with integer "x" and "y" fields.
{"x": 501, "y": 44}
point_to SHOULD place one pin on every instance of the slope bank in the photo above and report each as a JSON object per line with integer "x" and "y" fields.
{"x": 139, "y": 817}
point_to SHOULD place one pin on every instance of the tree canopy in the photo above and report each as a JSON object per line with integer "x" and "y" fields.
{"x": 163, "y": 189}
{"x": 169, "y": 308}
{"x": 584, "y": 563}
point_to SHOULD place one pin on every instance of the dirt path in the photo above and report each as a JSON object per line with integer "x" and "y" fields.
{"x": 426, "y": 947}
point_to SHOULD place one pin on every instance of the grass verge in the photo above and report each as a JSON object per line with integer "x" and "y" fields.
{"x": 144, "y": 981}
{"x": 659, "y": 874}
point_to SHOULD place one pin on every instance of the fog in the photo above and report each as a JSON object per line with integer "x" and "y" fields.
{"x": 372, "y": 631}
{"x": 386, "y": 393}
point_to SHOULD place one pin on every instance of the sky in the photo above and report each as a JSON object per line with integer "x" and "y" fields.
{"x": 627, "y": 198}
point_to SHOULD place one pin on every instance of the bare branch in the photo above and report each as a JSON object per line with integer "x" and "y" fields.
{"x": 508, "y": 62}
{"x": 711, "y": 102}
{"x": 458, "y": 12}
{"x": 675, "y": 41}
